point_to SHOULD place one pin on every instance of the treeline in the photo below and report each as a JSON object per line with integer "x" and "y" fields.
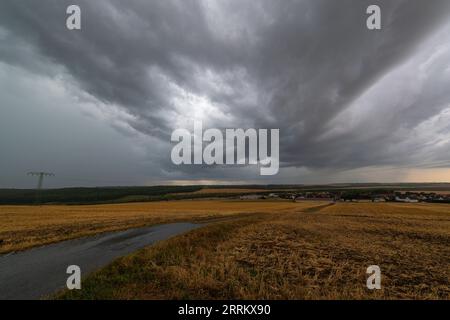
{"x": 90, "y": 195}
{"x": 356, "y": 194}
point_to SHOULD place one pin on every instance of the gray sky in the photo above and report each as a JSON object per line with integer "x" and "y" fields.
{"x": 97, "y": 106}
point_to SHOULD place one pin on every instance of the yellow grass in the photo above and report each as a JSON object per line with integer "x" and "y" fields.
{"x": 318, "y": 253}
{"x": 22, "y": 227}
{"x": 230, "y": 190}
{"x": 233, "y": 191}
{"x": 215, "y": 191}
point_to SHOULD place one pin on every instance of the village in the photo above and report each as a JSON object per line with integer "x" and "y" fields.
{"x": 356, "y": 196}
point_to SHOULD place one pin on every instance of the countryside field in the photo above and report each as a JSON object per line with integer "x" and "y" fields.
{"x": 226, "y": 190}
{"x": 284, "y": 250}
{"x": 22, "y": 227}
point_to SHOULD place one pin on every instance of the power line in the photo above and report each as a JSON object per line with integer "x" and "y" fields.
{"x": 40, "y": 176}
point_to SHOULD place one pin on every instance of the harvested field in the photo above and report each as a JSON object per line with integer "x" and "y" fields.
{"x": 230, "y": 190}
{"x": 319, "y": 253}
{"x": 22, "y": 227}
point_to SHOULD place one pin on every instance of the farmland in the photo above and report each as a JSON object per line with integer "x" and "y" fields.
{"x": 22, "y": 227}
{"x": 282, "y": 250}
{"x": 214, "y": 191}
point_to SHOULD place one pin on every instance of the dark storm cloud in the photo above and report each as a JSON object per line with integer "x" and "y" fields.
{"x": 293, "y": 65}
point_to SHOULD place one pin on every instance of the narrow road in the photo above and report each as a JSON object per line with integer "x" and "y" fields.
{"x": 41, "y": 271}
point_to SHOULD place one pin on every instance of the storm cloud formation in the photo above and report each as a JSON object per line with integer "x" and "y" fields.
{"x": 344, "y": 97}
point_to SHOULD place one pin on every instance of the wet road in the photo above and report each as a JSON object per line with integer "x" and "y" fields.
{"x": 41, "y": 271}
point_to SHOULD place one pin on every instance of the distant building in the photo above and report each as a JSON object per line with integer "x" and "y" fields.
{"x": 407, "y": 199}
{"x": 251, "y": 197}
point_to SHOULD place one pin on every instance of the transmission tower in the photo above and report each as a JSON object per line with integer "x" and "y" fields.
{"x": 40, "y": 176}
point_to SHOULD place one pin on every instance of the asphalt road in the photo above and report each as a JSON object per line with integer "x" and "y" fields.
{"x": 39, "y": 272}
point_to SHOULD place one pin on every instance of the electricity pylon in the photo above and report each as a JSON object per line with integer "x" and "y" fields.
{"x": 41, "y": 176}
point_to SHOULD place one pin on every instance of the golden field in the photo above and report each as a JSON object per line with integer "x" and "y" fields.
{"x": 22, "y": 227}
{"x": 291, "y": 252}
{"x": 227, "y": 190}
{"x": 231, "y": 191}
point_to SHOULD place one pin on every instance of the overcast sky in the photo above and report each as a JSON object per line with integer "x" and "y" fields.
{"x": 98, "y": 106}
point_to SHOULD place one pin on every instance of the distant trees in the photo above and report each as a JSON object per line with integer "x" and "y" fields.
{"x": 88, "y": 195}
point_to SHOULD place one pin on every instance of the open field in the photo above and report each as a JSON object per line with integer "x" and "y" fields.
{"x": 22, "y": 227}
{"x": 227, "y": 191}
{"x": 292, "y": 253}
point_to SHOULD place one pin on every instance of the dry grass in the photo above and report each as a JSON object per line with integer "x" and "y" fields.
{"x": 319, "y": 253}
{"x": 22, "y": 227}
{"x": 231, "y": 191}
{"x": 228, "y": 190}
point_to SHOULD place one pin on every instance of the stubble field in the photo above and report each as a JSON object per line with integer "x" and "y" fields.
{"x": 299, "y": 251}
{"x": 23, "y": 227}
